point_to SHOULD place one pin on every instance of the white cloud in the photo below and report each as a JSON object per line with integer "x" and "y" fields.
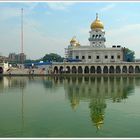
{"x": 60, "y": 5}
{"x": 107, "y": 7}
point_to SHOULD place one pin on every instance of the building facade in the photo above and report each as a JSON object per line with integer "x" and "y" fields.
{"x": 97, "y": 51}
{"x": 96, "y": 58}
{"x": 17, "y": 58}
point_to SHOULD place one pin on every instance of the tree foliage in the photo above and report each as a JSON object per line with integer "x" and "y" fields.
{"x": 52, "y": 57}
{"x": 47, "y": 58}
{"x": 129, "y": 55}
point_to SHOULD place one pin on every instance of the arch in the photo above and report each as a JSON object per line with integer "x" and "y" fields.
{"x": 86, "y": 70}
{"x": 111, "y": 69}
{"x": 118, "y": 69}
{"x": 80, "y": 70}
{"x": 55, "y": 69}
{"x": 99, "y": 70}
{"x": 92, "y": 69}
{"x": 131, "y": 69}
{"x": 61, "y": 69}
{"x": 105, "y": 69}
{"x": 137, "y": 69}
{"x": 67, "y": 69}
{"x": 74, "y": 70}
{"x": 1, "y": 70}
{"x": 124, "y": 69}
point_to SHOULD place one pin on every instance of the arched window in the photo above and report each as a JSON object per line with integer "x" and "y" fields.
{"x": 61, "y": 69}
{"x": 111, "y": 69}
{"x": 131, "y": 69}
{"x": 92, "y": 69}
{"x": 99, "y": 70}
{"x": 1, "y": 70}
{"x": 80, "y": 70}
{"x": 86, "y": 70}
{"x": 118, "y": 69}
{"x": 137, "y": 69}
{"x": 105, "y": 69}
{"x": 55, "y": 69}
{"x": 67, "y": 69}
{"x": 74, "y": 69}
{"x": 124, "y": 69}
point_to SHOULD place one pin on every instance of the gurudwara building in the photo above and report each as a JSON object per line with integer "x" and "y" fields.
{"x": 96, "y": 57}
{"x": 97, "y": 51}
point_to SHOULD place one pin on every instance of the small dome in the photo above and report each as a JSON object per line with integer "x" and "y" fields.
{"x": 97, "y": 24}
{"x": 73, "y": 40}
{"x": 77, "y": 44}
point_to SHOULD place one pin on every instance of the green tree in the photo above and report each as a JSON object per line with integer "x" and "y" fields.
{"x": 129, "y": 55}
{"x": 52, "y": 57}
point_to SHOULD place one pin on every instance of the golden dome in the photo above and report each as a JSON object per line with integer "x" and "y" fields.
{"x": 77, "y": 44}
{"x": 73, "y": 40}
{"x": 97, "y": 24}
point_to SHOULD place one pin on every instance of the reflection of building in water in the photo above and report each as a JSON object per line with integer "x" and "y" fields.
{"x": 115, "y": 88}
{"x": 97, "y": 90}
{"x": 1, "y": 84}
{"x": 12, "y": 82}
{"x": 77, "y": 89}
{"x": 17, "y": 82}
{"x": 97, "y": 107}
{"x": 74, "y": 99}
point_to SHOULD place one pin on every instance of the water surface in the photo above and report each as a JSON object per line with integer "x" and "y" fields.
{"x": 70, "y": 107}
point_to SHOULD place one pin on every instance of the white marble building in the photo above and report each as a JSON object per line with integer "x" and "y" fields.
{"x": 96, "y": 58}
{"x": 96, "y": 52}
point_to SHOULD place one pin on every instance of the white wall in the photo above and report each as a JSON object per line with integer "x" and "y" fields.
{"x": 101, "y": 52}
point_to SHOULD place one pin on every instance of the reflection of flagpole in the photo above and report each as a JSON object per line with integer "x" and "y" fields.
{"x": 22, "y": 109}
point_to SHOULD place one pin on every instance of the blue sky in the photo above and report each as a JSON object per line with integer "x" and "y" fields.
{"x": 49, "y": 26}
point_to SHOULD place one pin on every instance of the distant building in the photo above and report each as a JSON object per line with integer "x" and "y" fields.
{"x": 12, "y": 57}
{"x": 17, "y": 58}
{"x": 3, "y": 59}
{"x": 21, "y": 57}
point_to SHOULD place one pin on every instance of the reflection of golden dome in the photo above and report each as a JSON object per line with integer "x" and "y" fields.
{"x": 97, "y": 24}
{"x": 73, "y": 40}
{"x": 74, "y": 103}
{"x": 98, "y": 120}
